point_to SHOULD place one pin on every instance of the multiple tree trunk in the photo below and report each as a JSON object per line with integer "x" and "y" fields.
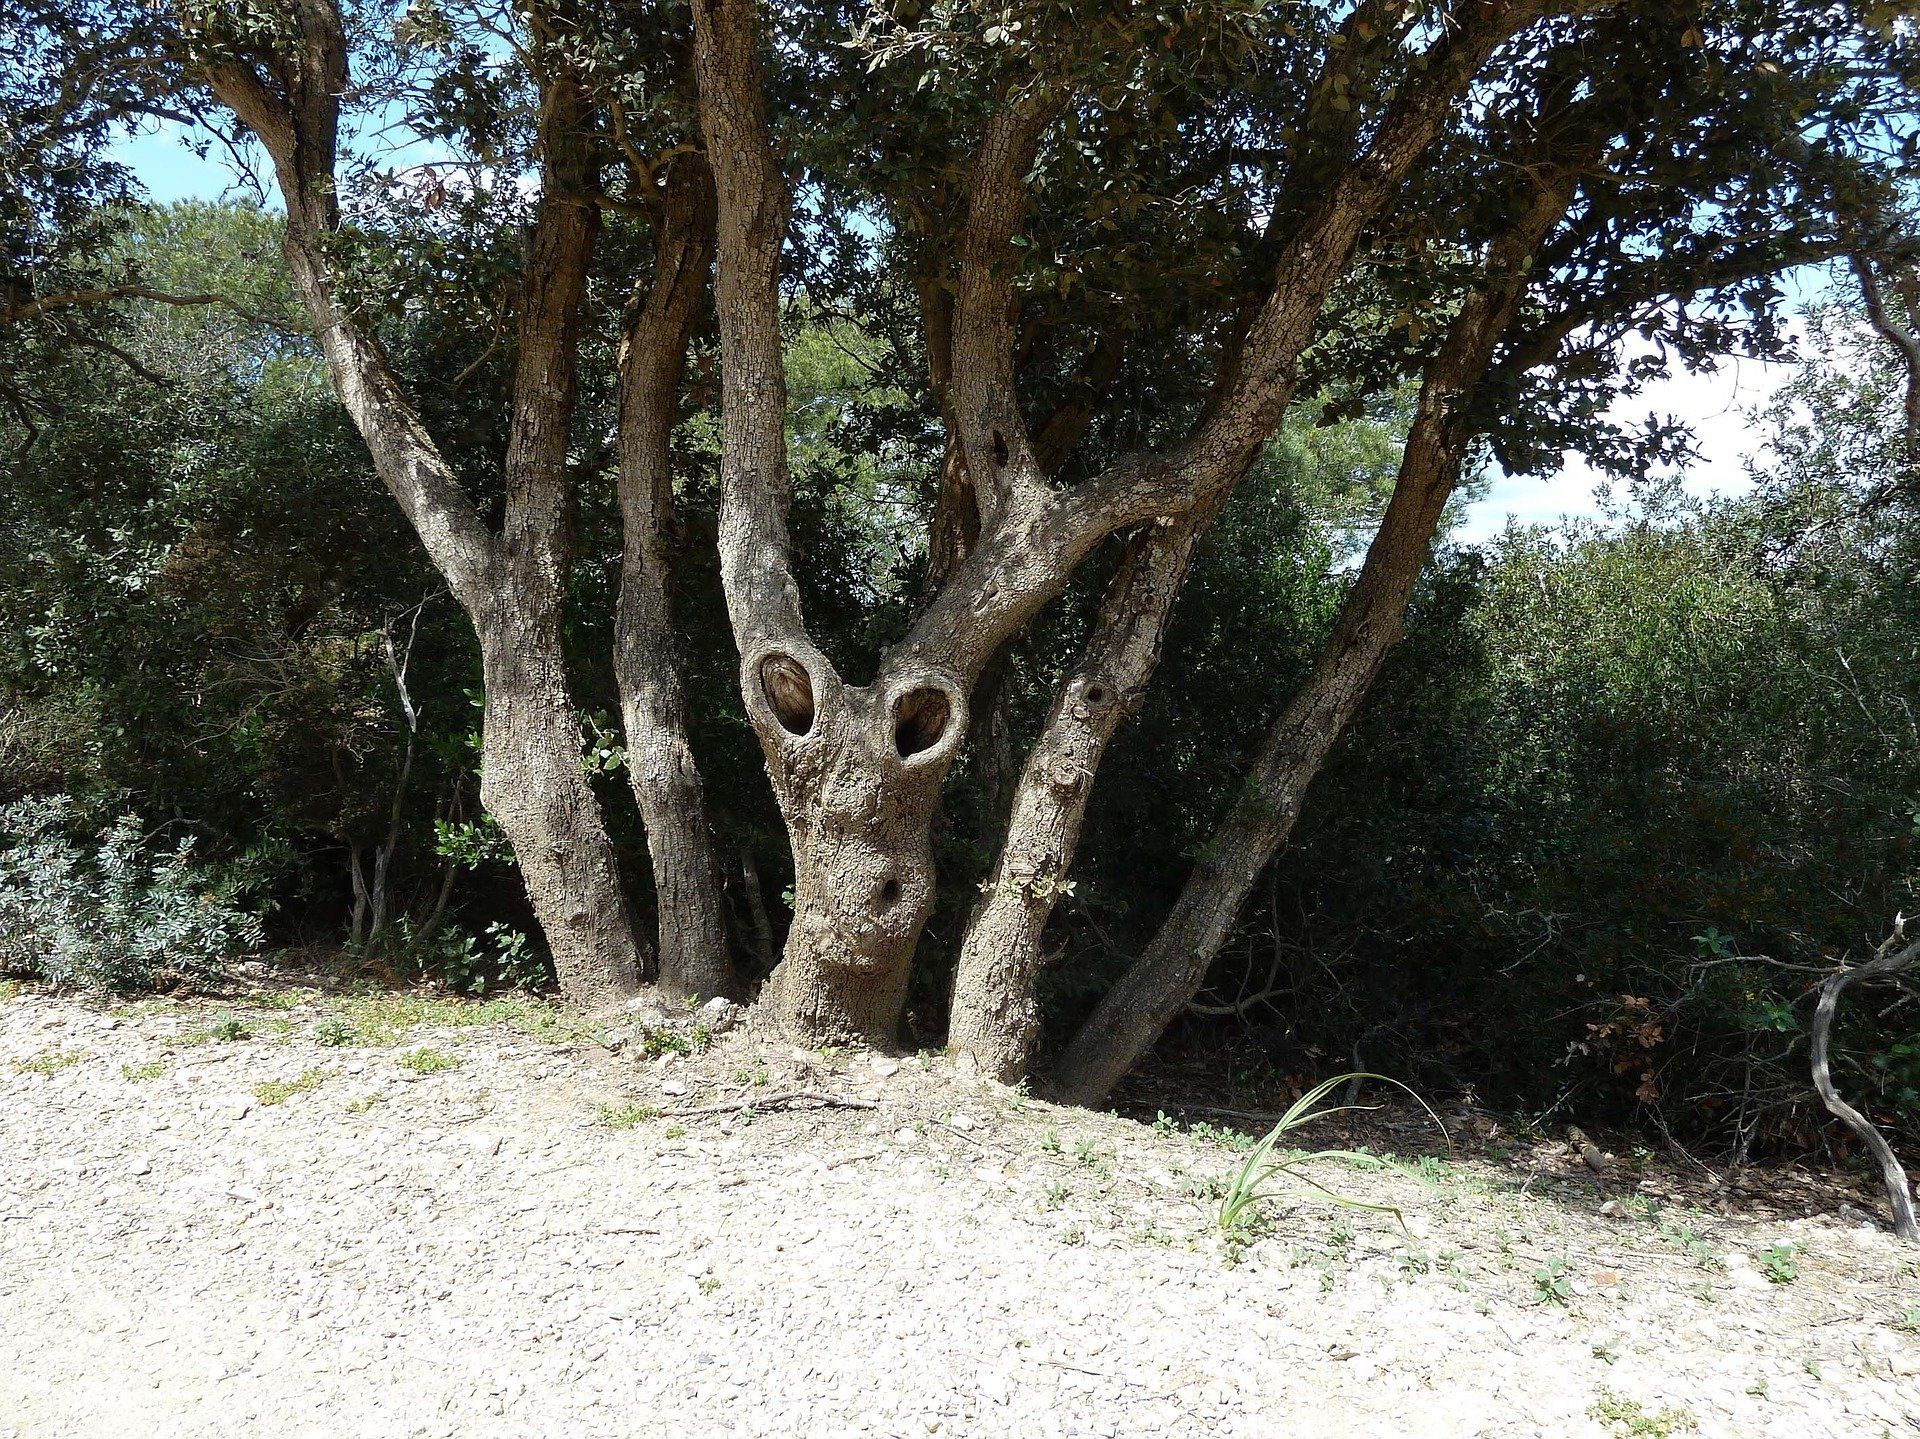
{"x": 857, "y": 770}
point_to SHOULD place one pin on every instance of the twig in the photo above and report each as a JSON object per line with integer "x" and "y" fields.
{"x": 775, "y": 1101}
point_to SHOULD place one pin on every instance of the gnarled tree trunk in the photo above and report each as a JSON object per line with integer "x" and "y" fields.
{"x": 857, "y": 770}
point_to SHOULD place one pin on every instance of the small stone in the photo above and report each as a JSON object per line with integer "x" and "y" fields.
{"x": 720, "y": 1014}
{"x": 673, "y": 1087}
{"x": 140, "y": 1165}
{"x": 886, "y": 1068}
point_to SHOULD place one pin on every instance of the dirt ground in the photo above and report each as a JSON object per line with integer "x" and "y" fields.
{"x": 391, "y": 1215}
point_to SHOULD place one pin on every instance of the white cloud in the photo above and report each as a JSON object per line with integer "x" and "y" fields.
{"x": 1720, "y": 405}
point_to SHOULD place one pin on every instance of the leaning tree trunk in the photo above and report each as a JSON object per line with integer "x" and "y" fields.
{"x": 996, "y": 1015}
{"x": 1166, "y": 976}
{"x": 533, "y": 784}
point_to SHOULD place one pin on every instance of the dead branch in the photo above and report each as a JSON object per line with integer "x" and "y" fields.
{"x": 1888, "y": 960}
{"x": 818, "y": 1098}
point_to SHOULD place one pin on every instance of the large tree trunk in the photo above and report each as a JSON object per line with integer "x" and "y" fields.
{"x": 996, "y": 1017}
{"x": 533, "y": 784}
{"x": 660, "y": 763}
{"x": 857, "y": 771}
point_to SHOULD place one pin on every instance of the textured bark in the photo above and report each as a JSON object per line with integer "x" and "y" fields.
{"x": 660, "y": 763}
{"x": 1159, "y": 984}
{"x": 532, "y": 783}
{"x": 511, "y": 585}
{"x": 996, "y": 1018}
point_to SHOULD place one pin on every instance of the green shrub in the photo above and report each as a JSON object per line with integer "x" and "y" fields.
{"x": 117, "y": 914}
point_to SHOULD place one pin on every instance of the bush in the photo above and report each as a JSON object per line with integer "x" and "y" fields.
{"x": 116, "y": 915}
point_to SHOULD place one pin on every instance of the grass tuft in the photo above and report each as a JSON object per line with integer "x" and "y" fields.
{"x": 279, "y": 1091}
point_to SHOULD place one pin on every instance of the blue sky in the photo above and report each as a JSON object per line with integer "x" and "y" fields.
{"x": 1718, "y": 405}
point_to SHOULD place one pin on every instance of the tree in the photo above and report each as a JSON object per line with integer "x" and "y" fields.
{"x": 1110, "y": 252}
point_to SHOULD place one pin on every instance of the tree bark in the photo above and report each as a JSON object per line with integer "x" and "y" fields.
{"x": 1157, "y": 986}
{"x": 511, "y": 585}
{"x": 996, "y": 1017}
{"x": 533, "y": 784}
{"x": 660, "y": 762}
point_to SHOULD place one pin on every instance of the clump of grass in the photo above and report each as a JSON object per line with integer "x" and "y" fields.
{"x": 11, "y": 989}
{"x": 335, "y": 1031}
{"x": 384, "y": 1018}
{"x": 1251, "y": 1186}
{"x": 152, "y": 1069}
{"x": 1908, "y": 1321}
{"x": 624, "y": 1116}
{"x": 1629, "y": 1418}
{"x": 50, "y": 1061}
{"x": 429, "y": 1061}
{"x": 279, "y": 1091}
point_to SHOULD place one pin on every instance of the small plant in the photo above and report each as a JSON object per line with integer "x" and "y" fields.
{"x": 1553, "y": 1284}
{"x": 152, "y": 1069}
{"x": 1249, "y": 1188}
{"x": 1074, "y": 1234}
{"x": 1607, "y": 1351}
{"x": 1050, "y": 1142}
{"x": 1781, "y": 1264}
{"x": 624, "y": 1116}
{"x": 1692, "y": 1244}
{"x": 1058, "y": 1194}
{"x": 279, "y": 1091}
{"x": 428, "y": 1061}
{"x": 364, "y": 1103}
{"x": 676, "y": 1131}
{"x": 50, "y": 1061}
{"x": 229, "y": 1029}
{"x": 1163, "y": 1123}
{"x": 709, "y": 1283}
{"x": 1908, "y": 1322}
{"x": 657, "y": 1042}
{"x": 333, "y": 1032}
{"x": 1627, "y": 1417}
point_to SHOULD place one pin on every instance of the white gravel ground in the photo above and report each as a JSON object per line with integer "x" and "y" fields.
{"x": 483, "y": 1250}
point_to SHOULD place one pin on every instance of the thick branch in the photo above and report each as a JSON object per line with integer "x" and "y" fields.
{"x": 1901, "y": 338}
{"x": 535, "y": 534}
{"x": 755, "y": 483}
{"x": 1023, "y": 561}
{"x": 982, "y": 398}
{"x": 299, "y": 129}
